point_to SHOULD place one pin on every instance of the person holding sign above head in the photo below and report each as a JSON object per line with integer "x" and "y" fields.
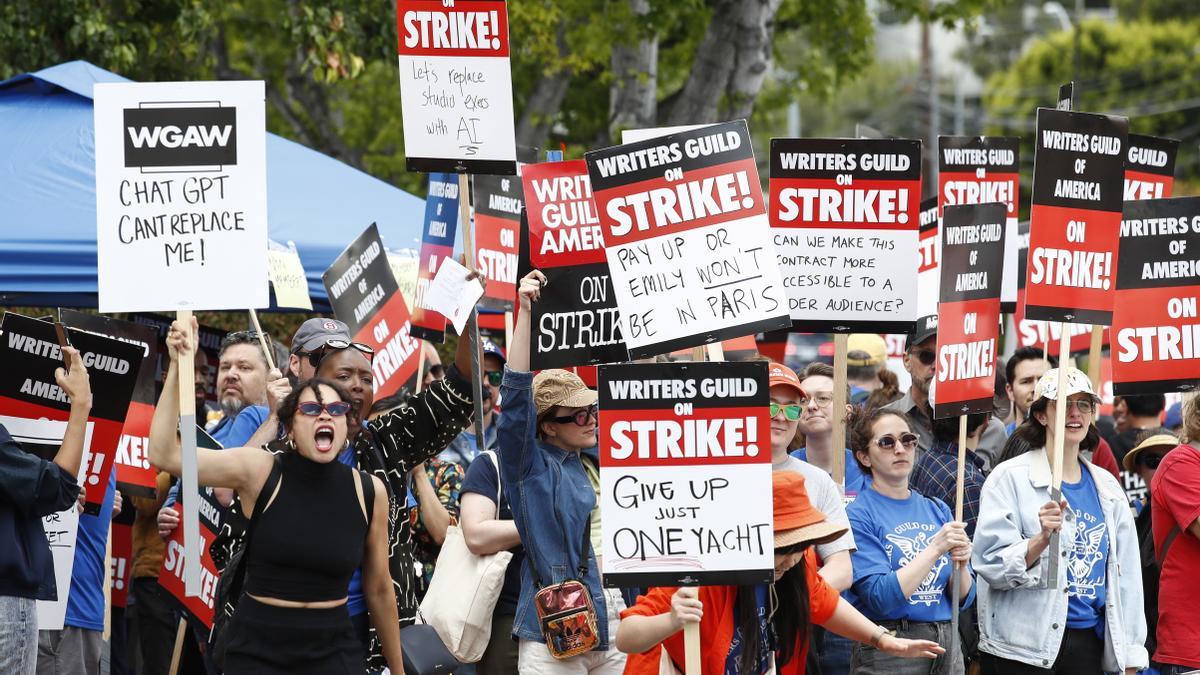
{"x": 549, "y": 462}
{"x": 750, "y": 630}
{"x": 293, "y": 614}
{"x": 31, "y": 488}
{"x": 908, "y": 545}
{"x": 1090, "y": 619}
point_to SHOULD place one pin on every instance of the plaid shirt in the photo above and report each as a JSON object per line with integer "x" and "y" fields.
{"x": 936, "y": 475}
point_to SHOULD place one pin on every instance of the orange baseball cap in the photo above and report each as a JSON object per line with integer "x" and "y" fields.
{"x": 796, "y": 519}
{"x": 779, "y": 374}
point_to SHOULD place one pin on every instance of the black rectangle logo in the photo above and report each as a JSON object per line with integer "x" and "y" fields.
{"x": 180, "y": 137}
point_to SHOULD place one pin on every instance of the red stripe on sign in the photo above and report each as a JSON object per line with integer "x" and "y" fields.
{"x": 1142, "y": 185}
{"x": 133, "y": 460}
{"x": 967, "y": 338}
{"x": 496, "y": 255}
{"x": 470, "y": 28}
{"x": 396, "y": 351}
{"x": 863, "y": 205}
{"x": 653, "y": 208}
{"x": 685, "y": 436}
{"x": 1072, "y": 258}
{"x": 967, "y": 187}
{"x": 564, "y": 226}
{"x": 1156, "y": 335}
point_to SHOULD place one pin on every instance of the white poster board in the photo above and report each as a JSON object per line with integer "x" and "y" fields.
{"x": 287, "y": 276}
{"x": 181, "y": 196}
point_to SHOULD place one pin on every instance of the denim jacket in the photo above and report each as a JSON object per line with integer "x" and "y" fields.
{"x": 1019, "y": 618}
{"x": 552, "y": 501}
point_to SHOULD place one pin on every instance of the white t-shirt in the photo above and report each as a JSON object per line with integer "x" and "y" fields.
{"x": 825, "y": 496}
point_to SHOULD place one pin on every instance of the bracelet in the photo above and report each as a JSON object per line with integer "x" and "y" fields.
{"x": 877, "y": 637}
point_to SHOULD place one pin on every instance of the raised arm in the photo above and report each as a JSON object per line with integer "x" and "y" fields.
{"x": 516, "y": 431}
{"x": 78, "y": 388}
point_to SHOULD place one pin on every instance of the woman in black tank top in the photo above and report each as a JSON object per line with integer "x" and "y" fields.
{"x": 313, "y": 528}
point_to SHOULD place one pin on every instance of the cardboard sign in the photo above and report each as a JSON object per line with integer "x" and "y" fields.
{"x": 1078, "y": 169}
{"x": 929, "y": 252}
{"x": 363, "y": 294}
{"x": 576, "y": 321}
{"x": 1157, "y": 347}
{"x": 181, "y": 195}
{"x": 170, "y": 575}
{"x": 404, "y": 264}
{"x": 30, "y": 354}
{"x": 437, "y": 244}
{"x": 845, "y": 215}
{"x": 973, "y": 244}
{"x": 1149, "y": 167}
{"x": 687, "y": 239}
{"x": 498, "y": 204}
{"x": 456, "y": 86}
{"x": 685, "y": 474}
{"x": 286, "y": 273}
{"x": 979, "y": 170}
{"x": 1031, "y": 333}
{"x": 135, "y": 476}
{"x": 121, "y": 568}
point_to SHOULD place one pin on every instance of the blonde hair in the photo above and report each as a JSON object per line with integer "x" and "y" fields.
{"x": 1191, "y": 419}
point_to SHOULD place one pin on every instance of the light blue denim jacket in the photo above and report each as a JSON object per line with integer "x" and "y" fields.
{"x": 552, "y": 501}
{"x": 1019, "y": 618}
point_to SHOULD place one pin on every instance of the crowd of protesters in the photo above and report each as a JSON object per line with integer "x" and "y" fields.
{"x": 340, "y": 522}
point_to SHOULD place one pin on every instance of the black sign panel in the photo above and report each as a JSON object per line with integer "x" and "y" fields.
{"x": 180, "y": 136}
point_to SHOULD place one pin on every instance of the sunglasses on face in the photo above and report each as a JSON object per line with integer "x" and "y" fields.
{"x": 579, "y": 417}
{"x": 791, "y": 411}
{"x": 909, "y": 441}
{"x": 1150, "y": 461}
{"x": 821, "y": 400}
{"x": 494, "y": 377}
{"x": 313, "y": 409}
{"x": 317, "y": 355}
{"x": 1085, "y": 406}
{"x": 925, "y": 356}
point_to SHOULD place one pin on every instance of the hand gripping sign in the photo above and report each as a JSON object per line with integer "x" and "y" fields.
{"x": 456, "y": 86}
{"x": 1078, "y": 169}
{"x": 686, "y": 239}
{"x": 685, "y": 474}
{"x": 845, "y": 219}
{"x": 1156, "y": 325}
{"x": 973, "y": 240}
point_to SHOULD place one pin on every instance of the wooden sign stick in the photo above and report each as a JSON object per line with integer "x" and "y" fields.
{"x": 955, "y": 581}
{"x": 1056, "y": 460}
{"x": 177, "y": 653}
{"x": 187, "y": 441}
{"x": 262, "y": 340}
{"x": 420, "y": 365}
{"x": 1094, "y": 356}
{"x": 464, "y": 217}
{"x": 838, "y": 450}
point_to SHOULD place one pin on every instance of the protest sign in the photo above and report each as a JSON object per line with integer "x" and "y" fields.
{"x": 973, "y": 244}
{"x": 1031, "y": 333}
{"x": 929, "y": 249}
{"x": 181, "y": 195}
{"x": 498, "y": 204}
{"x": 1078, "y": 169}
{"x": 288, "y": 281}
{"x": 685, "y": 474}
{"x": 1157, "y": 347}
{"x": 979, "y": 170}
{"x": 209, "y": 353}
{"x": 1149, "y": 167}
{"x": 452, "y": 294}
{"x": 437, "y": 244}
{"x": 687, "y": 239}
{"x": 171, "y": 574}
{"x": 456, "y": 86}
{"x": 404, "y": 264}
{"x": 30, "y": 353}
{"x": 135, "y": 476}
{"x": 363, "y": 294}
{"x": 121, "y": 568}
{"x": 576, "y": 320}
{"x": 845, "y": 216}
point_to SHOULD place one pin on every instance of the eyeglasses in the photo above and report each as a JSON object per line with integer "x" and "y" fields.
{"x": 821, "y": 400}
{"x": 579, "y": 417}
{"x": 925, "y": 356}
{"x": 317, "y": 355}
{"x": 494, "y": 377}
{"x": 313, "y": 409}
{"x": 791, "y": 411}
{"x": 1085, "y": 406}
{"x": 909, "y": 441}
{"x": 1150, "y": 461}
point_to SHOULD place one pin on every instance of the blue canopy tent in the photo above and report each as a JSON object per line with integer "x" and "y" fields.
{"x": 48, "y": 195}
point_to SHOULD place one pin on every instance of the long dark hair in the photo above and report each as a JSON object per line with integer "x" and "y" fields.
{"x": 861, "y": 425}
{"x": 791, "y": 619}
{"x": 287, "y": 408}
{"x": 1033, "y": 432}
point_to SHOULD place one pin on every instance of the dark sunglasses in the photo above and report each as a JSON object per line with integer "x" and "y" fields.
{"x": 579, "y": 417}
{"x": 317, "y": 355}
{"x": 791, "y": 411}
{"x": 1150, "y": 461}
{"x": 925, "y": 356}
{"x": 313, "y": 409}
{"x": 909, "y": 441}
{"x": 495, "y": 377}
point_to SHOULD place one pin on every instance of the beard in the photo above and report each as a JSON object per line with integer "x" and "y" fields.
{"x": 231, "y": 406}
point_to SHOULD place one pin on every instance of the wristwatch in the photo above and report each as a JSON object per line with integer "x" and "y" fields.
{"x": 877, "y": 637}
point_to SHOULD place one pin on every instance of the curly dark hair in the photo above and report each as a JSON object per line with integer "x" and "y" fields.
{"x": 287, "y": 407}
{"x": 859, "y": 427}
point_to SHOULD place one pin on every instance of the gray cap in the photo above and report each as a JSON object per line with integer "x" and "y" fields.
{"x": 316, "y": 332}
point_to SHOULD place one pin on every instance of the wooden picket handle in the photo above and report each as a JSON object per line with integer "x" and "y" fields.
{"x": 837, "y": 451}
{"x": 1056, "y": 460}
{"x": 691, "y": 649}
{"x": 262, "y": 340}
{"x": 420, "y": 364}
{"x": 189, "y": 484}
{"x": 472, "y": 328}
{"x": 1094, "y": 356}
{"x": 955, "y": 582}
{"x": 177, "y": 652}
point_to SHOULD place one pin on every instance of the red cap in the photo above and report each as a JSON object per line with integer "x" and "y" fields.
{"x": 779, "y": 374}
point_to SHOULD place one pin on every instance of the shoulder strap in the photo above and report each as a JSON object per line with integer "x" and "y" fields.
{"x": 264, "y": 495}
{"x": 499, "y": 481}
{"x": 368, "y": 488}
{"x": 1166, "y": 547}
{"x": 583, "y": 552}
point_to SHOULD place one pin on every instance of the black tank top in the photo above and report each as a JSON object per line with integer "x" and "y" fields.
{"x": 309, "y": 541}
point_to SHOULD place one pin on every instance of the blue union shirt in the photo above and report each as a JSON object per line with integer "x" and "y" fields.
{"x": 1087, "y": 555}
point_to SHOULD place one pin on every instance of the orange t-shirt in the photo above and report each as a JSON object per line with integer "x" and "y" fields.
{"x": 716, "y": 629}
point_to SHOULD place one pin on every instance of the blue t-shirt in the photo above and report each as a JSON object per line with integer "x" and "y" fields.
{"x": 856, "y": 480}
{"x": 481, "y": 479}
{"x": 733, "y": 659}
{"x": 1087, "y": 556}
{"x": 85, "y": 604}
{"x": 889, "y": 533}
{"x": 356, "y": 602}
{"x": 230, "y": 433}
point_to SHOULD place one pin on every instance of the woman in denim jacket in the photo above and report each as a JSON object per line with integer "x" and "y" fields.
{"x": 550, "y": 467}
{"x": 1090, "y": 619}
